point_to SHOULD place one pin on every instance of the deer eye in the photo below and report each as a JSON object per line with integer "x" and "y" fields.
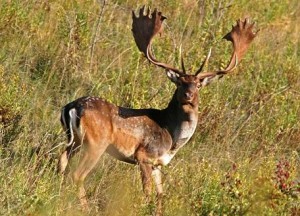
{"x": 198, "y": 85}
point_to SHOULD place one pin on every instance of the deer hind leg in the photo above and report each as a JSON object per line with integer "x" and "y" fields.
{"x": 70, "y": 151}
{"x": 90, "y": 157}
{"x": 68, "y": 120}
{"x": 156, "y": 173}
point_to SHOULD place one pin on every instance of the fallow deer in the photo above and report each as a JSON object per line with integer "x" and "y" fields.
{"x": 147, "y": 137}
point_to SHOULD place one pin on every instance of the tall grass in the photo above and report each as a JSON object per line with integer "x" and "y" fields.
{"x": 244, "y": 157}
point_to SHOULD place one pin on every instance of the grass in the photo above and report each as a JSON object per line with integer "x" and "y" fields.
{"x": 244, "y": 157}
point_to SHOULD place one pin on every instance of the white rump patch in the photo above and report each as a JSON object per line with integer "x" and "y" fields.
{"x": 72, "y": 124}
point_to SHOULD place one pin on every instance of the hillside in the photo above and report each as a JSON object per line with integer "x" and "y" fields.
{"x": 244, "y": 157}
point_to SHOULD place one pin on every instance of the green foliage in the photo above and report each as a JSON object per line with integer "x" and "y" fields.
{"x": 244, "y": 157}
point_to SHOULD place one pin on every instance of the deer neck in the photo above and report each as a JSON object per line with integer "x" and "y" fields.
{"x": 181, "y": 120}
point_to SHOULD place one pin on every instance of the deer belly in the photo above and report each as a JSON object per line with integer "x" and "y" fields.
{"x": 125, "y": 156}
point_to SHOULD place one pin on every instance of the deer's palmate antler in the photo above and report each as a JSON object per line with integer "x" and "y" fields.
{"x": 147, "y": 137}
{"x": 146, "y": 26}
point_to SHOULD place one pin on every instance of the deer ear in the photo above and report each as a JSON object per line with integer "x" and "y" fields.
{"x": 207, "y": 80}
{"x": 172, "y": 76}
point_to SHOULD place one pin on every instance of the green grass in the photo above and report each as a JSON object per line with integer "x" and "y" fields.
{"x": 244, "y": 158}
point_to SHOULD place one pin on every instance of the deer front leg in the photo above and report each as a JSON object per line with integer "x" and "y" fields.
{"x": 146, "y": 170}
{"x": 156, "y": 173}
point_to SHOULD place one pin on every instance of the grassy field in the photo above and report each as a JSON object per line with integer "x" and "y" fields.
{"x": 244, "y": 158}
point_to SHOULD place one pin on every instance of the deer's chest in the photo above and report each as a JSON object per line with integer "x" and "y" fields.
{"x": 184, "y": 132}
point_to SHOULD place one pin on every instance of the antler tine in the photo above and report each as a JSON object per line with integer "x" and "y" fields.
{"x": 144, "y": 29}
{"x": 203, "y": 63}
{"x": 182, "y": 65}
{"x": 182, "y": 62}
{"x": 241, "y": 36}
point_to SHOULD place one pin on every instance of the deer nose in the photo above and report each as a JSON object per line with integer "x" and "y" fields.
{"x": 188, "y": 95}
